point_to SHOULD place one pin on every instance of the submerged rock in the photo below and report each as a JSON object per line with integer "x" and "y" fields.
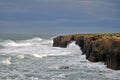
{"x": 96, "y": 47}
{"x": 64, "y": 67}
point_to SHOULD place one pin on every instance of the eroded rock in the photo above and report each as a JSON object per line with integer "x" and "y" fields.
{"x": 100, "y": 47}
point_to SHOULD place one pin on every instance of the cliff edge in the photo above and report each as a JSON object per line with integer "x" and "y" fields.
{"x": 96, "y": 47}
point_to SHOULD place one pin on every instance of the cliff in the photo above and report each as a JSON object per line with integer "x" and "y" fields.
{"x": 96, "y": 47}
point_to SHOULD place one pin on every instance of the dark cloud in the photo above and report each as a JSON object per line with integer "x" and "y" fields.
{"x": 59, "y": 15}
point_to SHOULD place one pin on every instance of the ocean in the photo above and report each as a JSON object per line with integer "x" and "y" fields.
{"x": 32, "y": 57}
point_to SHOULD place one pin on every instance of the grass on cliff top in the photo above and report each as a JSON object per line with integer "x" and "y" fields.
{"x": 96, "y": 34}
{"x": 69, "y": 36}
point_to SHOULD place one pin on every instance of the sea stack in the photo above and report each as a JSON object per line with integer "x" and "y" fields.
{"x": 96, "y": 47}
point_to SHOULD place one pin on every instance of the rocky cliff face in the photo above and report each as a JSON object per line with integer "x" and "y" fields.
{"x": 96, "y": 47}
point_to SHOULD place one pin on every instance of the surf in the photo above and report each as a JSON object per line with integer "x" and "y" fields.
{"x": 36, "y": 57}
{"x": 37, "y": 47}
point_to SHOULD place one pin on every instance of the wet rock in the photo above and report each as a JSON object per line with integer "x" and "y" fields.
{"x": 62, "y": 41}
{"x": 98, "y": 47}
{"x": 64, "y": 67}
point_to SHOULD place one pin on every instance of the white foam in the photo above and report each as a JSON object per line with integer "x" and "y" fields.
{"x": 35, "y": 39}
{"x": 6, "y": 61}
{"x": 38, "y": 47}
{"x": 20, "y": 56}
{"x": 22, "y": 43}
{"x": 10, "y": 43}
{"x": 39, "y": 56}
{"x": 73, "y": 48}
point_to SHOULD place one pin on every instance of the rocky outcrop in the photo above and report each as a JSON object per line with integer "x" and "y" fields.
{"x": 96, "y": 47}
{"x": 62, "y": 41}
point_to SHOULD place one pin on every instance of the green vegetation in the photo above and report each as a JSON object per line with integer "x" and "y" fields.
{"x": 95, "y": 34}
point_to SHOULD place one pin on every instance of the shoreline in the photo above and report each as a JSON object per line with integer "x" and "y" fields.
{"x": 97, "y": 47}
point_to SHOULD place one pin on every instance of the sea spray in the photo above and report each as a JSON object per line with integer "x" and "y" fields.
{"x": 6, "y": 61}
{"x": 35, "y": 58}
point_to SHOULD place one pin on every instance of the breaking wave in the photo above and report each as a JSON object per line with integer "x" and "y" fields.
{"x": 36, "y": 59}
{"x": 37, "y": 47}
{"x": 6, "y": 61}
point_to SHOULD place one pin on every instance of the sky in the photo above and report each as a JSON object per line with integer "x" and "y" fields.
{"x": 59, "y": 16}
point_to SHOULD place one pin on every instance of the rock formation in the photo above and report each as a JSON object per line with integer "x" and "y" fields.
{"x": 96, "y": 47}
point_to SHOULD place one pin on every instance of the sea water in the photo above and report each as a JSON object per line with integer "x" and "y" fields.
{"x": 25, "y": 57}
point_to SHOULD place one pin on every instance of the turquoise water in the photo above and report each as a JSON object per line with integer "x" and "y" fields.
{"x": 26, "y": 57}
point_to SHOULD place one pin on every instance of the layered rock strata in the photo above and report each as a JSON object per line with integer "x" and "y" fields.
{"x": 96, "y": 47}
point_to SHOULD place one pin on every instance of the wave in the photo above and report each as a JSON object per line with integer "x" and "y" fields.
{"x": 37, "y": 47}
{"x": 6, "y": 61}
{"x": 72, "y": 49}
{"x": 10, "y": 43}
{"x": 21, "y": 56}
{"x": 34, "y": 39}
{"x": 21, "y": 43}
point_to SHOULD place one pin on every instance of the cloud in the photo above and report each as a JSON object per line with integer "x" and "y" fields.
{"x": 77, "y": 15}
{"x": 97, "y": 9}
{"x": 56, "y": 26}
